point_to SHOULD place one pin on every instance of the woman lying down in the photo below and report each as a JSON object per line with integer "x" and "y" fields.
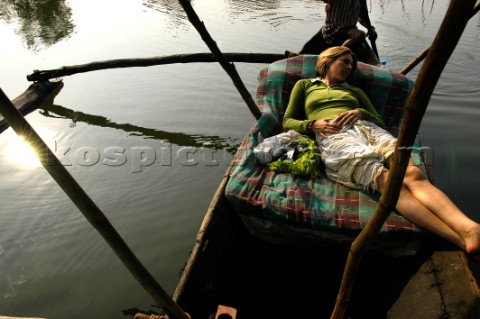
{"x": 356, "y": 149}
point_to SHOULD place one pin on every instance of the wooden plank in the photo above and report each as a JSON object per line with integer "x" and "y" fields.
{"x": 32, "y": 98}
{"x": 442, "y": 287}
{"x": 459, "y": 288}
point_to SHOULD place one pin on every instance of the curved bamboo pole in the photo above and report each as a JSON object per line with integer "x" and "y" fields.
{"x": 424, "y": 53}
{"x": 227, "y": 66}
{"x": 445, "y": 42}
{"x": 43, "y": 75}
{"x": 89, "y": 209}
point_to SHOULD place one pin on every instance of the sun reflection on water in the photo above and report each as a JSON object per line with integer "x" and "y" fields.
{"x": 21, "y": 154}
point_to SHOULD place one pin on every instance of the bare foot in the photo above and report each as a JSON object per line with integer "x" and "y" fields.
{"x": 472, "y": 242}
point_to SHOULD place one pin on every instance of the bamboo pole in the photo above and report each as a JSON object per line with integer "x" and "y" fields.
{"x": 366, "y": 16}
{"x": 42, "y": 75}
{"x": 424, "y": 53}
{"x": 445, "y": 41}
{"x": 227, "y": 66}
{"x": 89, "y": 209}
{"x": 415, "y": 61}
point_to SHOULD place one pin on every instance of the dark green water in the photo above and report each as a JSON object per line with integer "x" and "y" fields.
{"x": 176, "y": 128}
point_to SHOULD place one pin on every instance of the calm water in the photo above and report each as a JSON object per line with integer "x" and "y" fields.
{"x": 175, "y": 127}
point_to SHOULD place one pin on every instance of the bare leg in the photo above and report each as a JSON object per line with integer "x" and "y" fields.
{"x": 354, "y": 38}
{"x": 440, "y": 205}
{"x": 428, "y": 207}
{"x": 417, "y": 213}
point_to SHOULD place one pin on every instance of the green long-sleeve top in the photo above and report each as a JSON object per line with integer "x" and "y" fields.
{"x": 311, "y": 99}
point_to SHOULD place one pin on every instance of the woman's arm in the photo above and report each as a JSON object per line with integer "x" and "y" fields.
{"x": 295, "y": 117}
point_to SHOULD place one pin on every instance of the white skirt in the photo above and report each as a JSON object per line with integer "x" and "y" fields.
{"x": 355, "y": 156}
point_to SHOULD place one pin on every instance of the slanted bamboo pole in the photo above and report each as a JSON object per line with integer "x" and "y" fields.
{"x": 89, "y": 209}
{"x": 424, "y": 53}
{"x": 42, "y": 75}
{"x": 227, "y": 66}
{"x": 363, "y": 7}
{"x": 415, "y": 61}
{"x": 445, "y": 41}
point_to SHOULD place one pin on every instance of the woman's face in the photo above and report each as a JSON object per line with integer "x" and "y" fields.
{"x": 340, "y": 69}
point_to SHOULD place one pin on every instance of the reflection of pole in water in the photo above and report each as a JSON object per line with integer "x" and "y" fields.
{"x": 422, "y": 11}
{"x": 181, "y": 139}
{"x": 170, "y": 8}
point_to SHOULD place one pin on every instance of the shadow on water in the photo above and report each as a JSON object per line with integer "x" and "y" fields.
{"x": 181, "y": 139}
{"x": 40, "y": 23}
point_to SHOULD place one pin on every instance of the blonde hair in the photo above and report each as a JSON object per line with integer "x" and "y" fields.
{"x": 331, "y": 54}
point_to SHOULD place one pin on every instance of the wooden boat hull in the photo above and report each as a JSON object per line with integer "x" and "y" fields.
{"x": 228, "y": 266}
{"x": 36, "y": 94}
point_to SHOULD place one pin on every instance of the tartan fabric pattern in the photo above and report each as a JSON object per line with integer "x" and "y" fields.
{"x": 300, "y": 200}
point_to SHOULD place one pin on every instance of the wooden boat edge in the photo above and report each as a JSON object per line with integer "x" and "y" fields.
{"x": 451, "y": 287}
{"x": 201, "y": 238}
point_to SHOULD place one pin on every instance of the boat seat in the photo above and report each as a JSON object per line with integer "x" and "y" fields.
{"x": 294, "y": 209}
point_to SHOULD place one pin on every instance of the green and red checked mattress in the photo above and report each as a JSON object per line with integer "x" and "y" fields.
{"x": 287, "y": 208}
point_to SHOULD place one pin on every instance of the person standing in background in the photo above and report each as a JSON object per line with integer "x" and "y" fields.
{"x": 340, "y": 29}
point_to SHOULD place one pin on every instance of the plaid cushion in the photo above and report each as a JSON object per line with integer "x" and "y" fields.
{"x": 318, "y": 204}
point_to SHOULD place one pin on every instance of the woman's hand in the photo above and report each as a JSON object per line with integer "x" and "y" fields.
{"x": 349, "y": 117}
{"x": 326, "y": 126}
